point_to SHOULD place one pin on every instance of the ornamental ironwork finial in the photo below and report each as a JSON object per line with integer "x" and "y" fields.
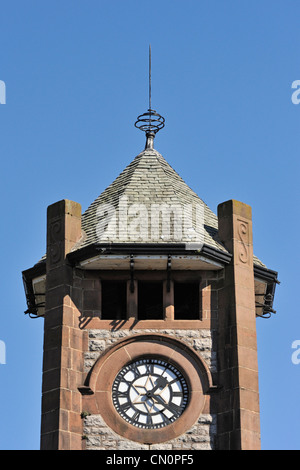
{"x": 150, "y": 122}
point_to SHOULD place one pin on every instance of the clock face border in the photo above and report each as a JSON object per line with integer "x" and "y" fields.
{"x": 150, "y": 392}
{"x": 149, "y": 345}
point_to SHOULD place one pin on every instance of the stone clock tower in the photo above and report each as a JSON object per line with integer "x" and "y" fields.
{"x": 149, "y": 303}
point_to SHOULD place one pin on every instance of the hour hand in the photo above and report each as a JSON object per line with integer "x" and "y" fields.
{"x": 160, "y": 382}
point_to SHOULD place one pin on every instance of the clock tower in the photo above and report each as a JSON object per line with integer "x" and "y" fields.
{"x": 149, "y": 302}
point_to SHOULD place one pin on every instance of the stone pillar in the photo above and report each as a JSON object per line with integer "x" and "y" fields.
{"x": 62, "y": 363}
{"x": 238, "y": 418}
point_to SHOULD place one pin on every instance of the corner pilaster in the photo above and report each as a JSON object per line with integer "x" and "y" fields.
{"x": 62, "y": 363}
{"x": 238, "y": 420}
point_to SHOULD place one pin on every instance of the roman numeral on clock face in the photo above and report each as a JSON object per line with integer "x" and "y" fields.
{"x": 149, "y": 420}
{"x": 136, "y": 416}
{"x": 149, "y": 368}
{"x": 125, "y": 406}
{"x": 175, "y": 409}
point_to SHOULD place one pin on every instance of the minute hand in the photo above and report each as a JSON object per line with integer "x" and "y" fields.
{"x": 173, "y": 408}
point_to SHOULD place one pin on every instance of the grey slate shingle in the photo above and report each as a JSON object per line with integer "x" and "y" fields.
{"x": 148, "y": 180}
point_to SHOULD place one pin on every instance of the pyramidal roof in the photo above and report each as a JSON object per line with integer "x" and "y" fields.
{"x": 149, "y": 203}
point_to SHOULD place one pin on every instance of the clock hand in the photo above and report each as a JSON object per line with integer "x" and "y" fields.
{"x": 160, "y": 382}
{"x": 174, "y": 409}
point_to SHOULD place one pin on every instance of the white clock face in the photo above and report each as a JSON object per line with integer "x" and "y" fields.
{"x": 150, "y": 393}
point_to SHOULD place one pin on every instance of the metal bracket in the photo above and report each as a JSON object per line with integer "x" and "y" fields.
{"x": 131, "y": 274}
{"x": 266, "y": 305}
{"x": 169, "y": 273}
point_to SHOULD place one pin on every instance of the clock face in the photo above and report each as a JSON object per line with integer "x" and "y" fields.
{"x": 150, "y": 393}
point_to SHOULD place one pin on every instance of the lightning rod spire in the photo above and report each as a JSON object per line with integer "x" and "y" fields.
{"x": 150, "y": 122}
{"x": 149, "y": 76}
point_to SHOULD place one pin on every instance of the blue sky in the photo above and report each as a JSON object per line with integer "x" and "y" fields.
{"x": 76, "y": 79}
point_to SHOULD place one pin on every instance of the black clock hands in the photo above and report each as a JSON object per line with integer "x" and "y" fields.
{"x": 150, "y": 393}
{"x": 172, "y": 407}
{"x": 160, "y": 382}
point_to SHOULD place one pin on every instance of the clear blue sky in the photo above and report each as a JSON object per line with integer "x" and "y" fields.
{"x": 76, "y": 79}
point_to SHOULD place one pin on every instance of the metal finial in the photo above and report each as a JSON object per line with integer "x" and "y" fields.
{"x": 150, "y": 122}
{"x": 149, "y": 76}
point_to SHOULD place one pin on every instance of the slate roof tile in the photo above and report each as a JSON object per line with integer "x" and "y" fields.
{"x": 147, "y": 183}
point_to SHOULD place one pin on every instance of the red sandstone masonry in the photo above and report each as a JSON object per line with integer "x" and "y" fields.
{"x": 74, "y": 303}
{"x": 238, "y": 420}
{"x": 62, "y": 365}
